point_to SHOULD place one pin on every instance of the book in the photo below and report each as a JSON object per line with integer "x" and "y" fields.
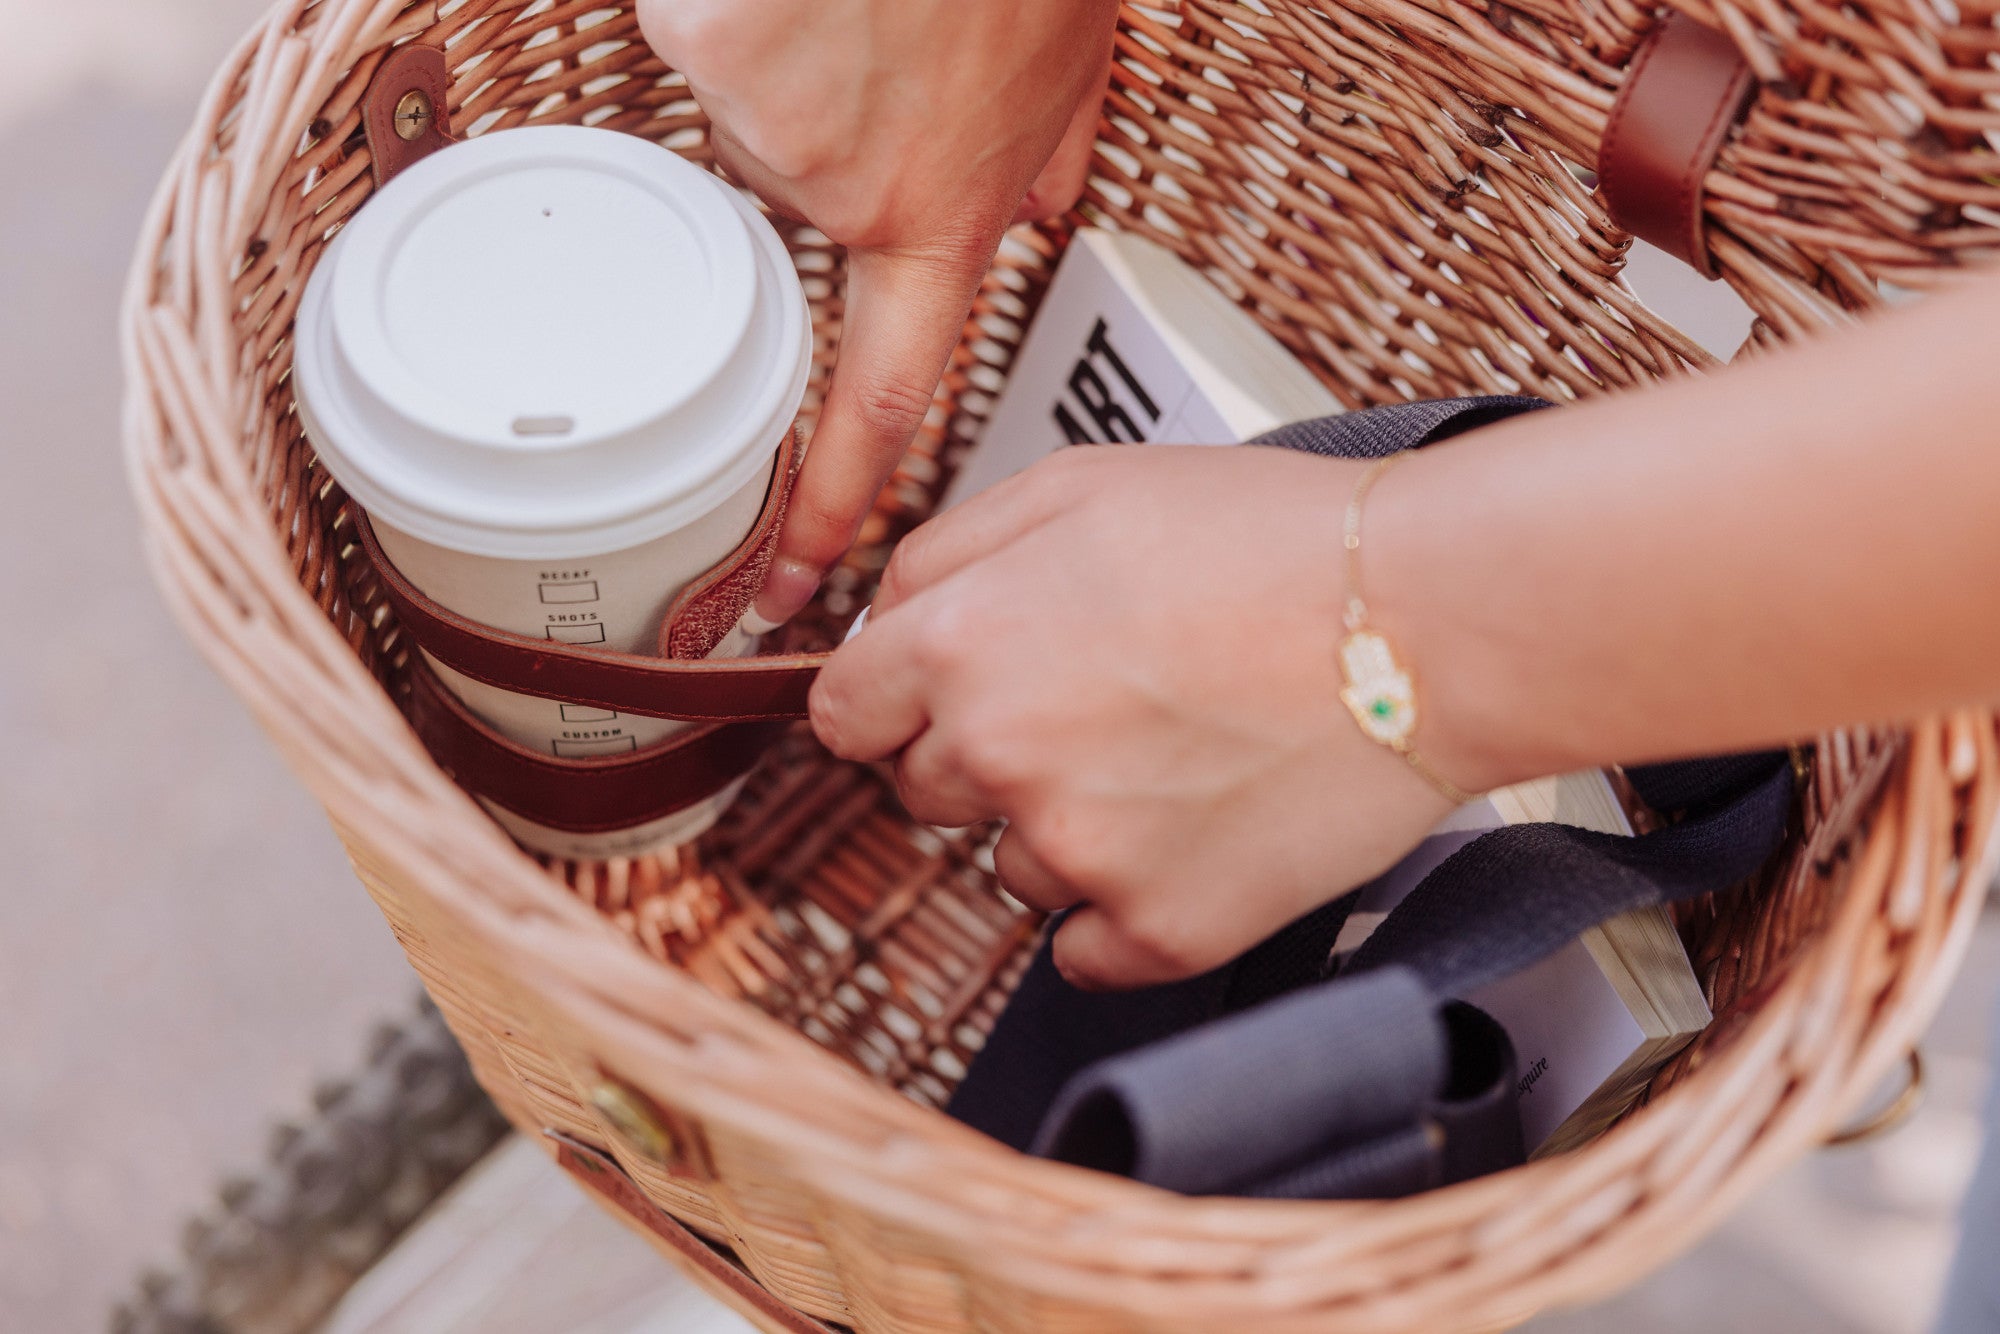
{"x": 1131, "y": 344}
{"x": 1593, "y": 1021}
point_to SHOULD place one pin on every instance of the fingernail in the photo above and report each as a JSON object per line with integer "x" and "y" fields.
{"x": 787, "y": 588}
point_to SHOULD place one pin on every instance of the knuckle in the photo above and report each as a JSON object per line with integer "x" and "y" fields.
{"x": 946, "y": 640}
{"x": 913, "y": 789}
{"x": 933, "y": 791}
{"x": 890, "y": 406}
{"x": 993, "y": 755}
{"x": 1076, "y": 850}
{"x": 1079, "y": 968}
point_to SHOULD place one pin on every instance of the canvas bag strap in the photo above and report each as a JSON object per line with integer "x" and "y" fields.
{"x": 1374, "y": 1083}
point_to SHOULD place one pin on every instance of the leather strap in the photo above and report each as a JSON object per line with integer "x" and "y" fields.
{"x": 582, "y": 796}
{"x": 745, "y": 702}
{"x": 759, "y": 689}
{"x": 1686, "y": 89}
{"x": 599, "y": 1172}
{"x": 406, "y": 70}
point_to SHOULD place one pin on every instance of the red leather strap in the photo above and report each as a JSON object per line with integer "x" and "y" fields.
{"x": 1686, "y": 89}
{"x": 406, "y": 70}
{"x": 746, "y": 702}
{"x": 588, "y": 796}
{"x": 698, "y": 690}
{"x": 598, "y": 1172}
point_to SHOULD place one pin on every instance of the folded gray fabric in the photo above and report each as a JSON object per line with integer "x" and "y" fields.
{"x": 1255, "y": 1095}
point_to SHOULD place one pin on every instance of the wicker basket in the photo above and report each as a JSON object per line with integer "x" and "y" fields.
{"x": 760, "y": 1028}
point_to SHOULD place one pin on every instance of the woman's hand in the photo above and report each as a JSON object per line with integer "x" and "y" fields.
{"x": 911, "y": 132}
{"x": 1128, "y": 653}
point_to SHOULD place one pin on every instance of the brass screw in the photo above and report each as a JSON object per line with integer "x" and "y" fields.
{"x": 414, "y": 114}
{"x": 632, "y": 1115}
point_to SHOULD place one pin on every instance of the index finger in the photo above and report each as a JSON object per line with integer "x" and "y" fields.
{"x": 905, "y": 312}
{"x": 873, "y": 696}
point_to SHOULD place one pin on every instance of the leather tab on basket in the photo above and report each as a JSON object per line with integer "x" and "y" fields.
{"x": 1686, "y": 89}
{"x": 582, "y": 796}
{"x": 407, "y": 69}
{"x": 598, "y": 1172}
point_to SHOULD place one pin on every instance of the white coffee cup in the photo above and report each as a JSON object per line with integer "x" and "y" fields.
{"x": 554, "y": 365}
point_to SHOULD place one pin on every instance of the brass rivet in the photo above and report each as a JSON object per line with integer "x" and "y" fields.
{"x": 414, "y": 114}
{"x": 634, "y": 1119}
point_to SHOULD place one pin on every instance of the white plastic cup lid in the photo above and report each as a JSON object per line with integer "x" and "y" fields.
{"x": 548, "y": 343}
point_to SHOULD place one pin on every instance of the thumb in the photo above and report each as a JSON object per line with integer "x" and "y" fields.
{"x": 906, "y": 309}
{"x": 1094, "y": 953}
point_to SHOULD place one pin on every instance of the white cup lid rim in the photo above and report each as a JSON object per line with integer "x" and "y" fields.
{"x": 397, "y": 344}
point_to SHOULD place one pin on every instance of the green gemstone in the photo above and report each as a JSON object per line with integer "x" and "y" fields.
{"x": 1383, "y": 708}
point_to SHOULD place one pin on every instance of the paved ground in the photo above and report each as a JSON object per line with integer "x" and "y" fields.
{"x": 181, "y": 947}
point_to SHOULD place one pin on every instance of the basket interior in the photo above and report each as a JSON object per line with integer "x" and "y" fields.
{"x": 1302, "y": 173}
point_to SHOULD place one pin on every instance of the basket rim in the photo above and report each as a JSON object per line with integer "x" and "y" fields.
{"x": 230, "y": 583}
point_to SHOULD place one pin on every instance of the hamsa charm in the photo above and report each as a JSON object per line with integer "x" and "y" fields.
{"x": 1379, "y": 692}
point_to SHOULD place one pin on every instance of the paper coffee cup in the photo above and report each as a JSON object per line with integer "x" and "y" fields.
{"x": 554, "y": 365}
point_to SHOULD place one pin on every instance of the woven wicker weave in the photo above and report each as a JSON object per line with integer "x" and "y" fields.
{"x": 1395, "y": 187}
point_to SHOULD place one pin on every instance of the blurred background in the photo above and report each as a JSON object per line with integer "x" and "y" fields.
{"x": 184, "y": 954}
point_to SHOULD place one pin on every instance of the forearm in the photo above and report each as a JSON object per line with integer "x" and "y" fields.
{"x": 1806, "y": 540}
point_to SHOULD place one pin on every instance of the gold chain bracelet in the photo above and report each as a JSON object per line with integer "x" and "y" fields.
{"x": 1380, "y": 692}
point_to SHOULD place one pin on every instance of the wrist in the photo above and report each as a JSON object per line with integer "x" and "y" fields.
{"x": 1426, "y": 543}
